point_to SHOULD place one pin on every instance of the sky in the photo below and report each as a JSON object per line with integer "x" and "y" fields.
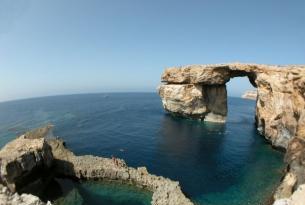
{"x": 55, "y": 47}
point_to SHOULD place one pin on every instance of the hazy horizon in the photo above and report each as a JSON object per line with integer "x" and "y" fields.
{"x": 56, "y": 47}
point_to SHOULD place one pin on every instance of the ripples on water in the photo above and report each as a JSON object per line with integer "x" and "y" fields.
{"x": 216, "y": 164}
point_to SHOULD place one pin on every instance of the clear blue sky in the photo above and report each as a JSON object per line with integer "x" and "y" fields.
{"x": 50, "y": 47}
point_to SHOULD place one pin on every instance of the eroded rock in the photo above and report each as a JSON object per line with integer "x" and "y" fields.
{"x": 23, "y": 160}
{"x": 8, "y": 198}
{"x": 195, "y": 101}
{"x": 165, "y": 191}
{"x": 297, "y": 198}
{"x": 280, "y": 109}
{"x": 26, "y": 159}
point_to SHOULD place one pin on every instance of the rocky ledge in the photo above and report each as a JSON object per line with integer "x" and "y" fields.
{"x": 28, "y": 163}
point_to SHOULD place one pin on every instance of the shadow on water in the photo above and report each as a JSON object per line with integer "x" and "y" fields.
{"x": 68, "y": 192}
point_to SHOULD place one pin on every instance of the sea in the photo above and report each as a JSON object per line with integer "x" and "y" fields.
{"x": 215, "y": 164}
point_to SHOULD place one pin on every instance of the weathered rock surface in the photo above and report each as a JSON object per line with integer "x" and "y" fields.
{"x": 206, "y": 103}
{"x": 297, "y": 198}
{"x": 28, "y": 158}
{"x": 199, "y": 91}
{"x": 165, "y": 191}
{"x": 285, "y": 190}
{"x": 22, "y": 162}
{"x": 295, "y": 158}
{"x": 280, "y": 109}
{"x": 250, "y": 94}
{"x": 8, "y": 198}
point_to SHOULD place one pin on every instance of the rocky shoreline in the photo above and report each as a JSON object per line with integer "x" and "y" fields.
{"x": 30, "y": 160}
{"x": 199, "y": 92}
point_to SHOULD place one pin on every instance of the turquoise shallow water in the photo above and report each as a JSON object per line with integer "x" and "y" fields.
{"x": 216, "y": 164}
{"x": 99, "y": 193}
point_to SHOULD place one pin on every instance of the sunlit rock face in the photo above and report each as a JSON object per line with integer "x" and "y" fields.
{"x": 196, "y": 101}
{"x": 199, "y": 91}
{"x": 23, "y": 162}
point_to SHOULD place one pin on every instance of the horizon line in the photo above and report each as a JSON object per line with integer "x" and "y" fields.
{"x": 81, "y": 93}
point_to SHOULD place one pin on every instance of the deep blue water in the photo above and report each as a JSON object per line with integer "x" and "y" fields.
{"x": 217, "y": 164}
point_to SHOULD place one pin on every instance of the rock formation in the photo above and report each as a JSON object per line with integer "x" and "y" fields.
{"x": 31, "y": 159}
{"x": 8, "y": 198}
{"x": 297, "y": 198}
{"x": 23, "y": 161}
{"x": 250, "y": 94}
{"x": 199, "y": 91}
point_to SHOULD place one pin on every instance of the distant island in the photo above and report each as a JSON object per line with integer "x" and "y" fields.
{"x": 250, "y": 94}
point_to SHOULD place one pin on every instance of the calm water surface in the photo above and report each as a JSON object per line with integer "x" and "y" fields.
{"x": 216, "y": 164}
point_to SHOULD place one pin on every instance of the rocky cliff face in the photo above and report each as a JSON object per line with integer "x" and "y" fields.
{"x": 199, "y": 91}
{"x": 23, "y": 161}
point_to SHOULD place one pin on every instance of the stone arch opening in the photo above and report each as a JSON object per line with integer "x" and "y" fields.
{"x": 199, "y": 92}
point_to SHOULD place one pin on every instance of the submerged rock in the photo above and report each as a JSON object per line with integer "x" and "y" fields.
{"x": 199, "y": 91}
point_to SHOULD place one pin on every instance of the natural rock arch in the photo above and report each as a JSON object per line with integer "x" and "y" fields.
{"x": 199, "y": 91}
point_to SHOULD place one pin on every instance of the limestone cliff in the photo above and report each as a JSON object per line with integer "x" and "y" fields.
{"x": 199, "y": 91}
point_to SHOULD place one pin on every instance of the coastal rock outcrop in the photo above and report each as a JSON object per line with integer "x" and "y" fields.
{"x": 199, "y": 91}
{"x": 8, "y": 198}
{"x": 165, "y": 191}
{"x": 297, "y": 198}
{"x": 208, "y": 103}
{"x": 31, "y": 157}
{"x": 280, "y": 109}
{"x": 23, "y": 162}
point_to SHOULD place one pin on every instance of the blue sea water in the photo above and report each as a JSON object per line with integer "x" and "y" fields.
{"x": 216, "y": 164}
